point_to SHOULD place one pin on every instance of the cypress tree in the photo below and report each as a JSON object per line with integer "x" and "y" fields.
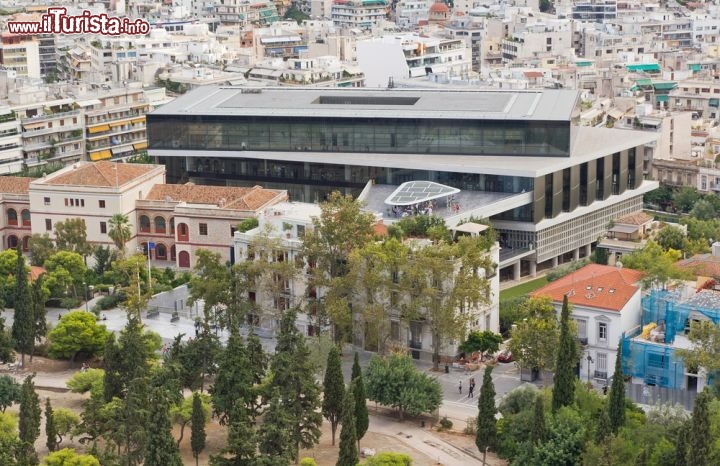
{"x": 356, "y": 371}
{"x": 29, "y": 425}
{"x": 50, "y": 430}
{"x": 362, "y": 420}
{"x": 682, "y": 443}
{"x": 699, "y": 437}
{"x": 233, "y": 383}
{"x": 161, "y": 448}
{"x": 197, "y": 432}
{"x": 616, "y": 397}
{"x": 275, "y": 433}
{"x": 348, "y": 440}
{"x": 486, "y": 422}
{"x": 112, "y": 380}
{"x": 563, "y": 393}
{"x": 333, "y": 390}
{"x": 603, "y": 426}
{"x": 538, "y": 429}
{"x": 23, "y": 328}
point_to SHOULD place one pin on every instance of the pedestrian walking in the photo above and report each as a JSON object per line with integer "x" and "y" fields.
{"x": 460, "y": 386}
{"x": 471, "y": 389}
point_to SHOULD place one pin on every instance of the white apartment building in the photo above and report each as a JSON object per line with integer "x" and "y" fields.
{"x": 673, "y": 130}
{"x": 358, "y": 14}
{"x": 20, "y": 54}
{"x": 605, "y": 303}
{"x": 542, "y": 39}
{"x": 325, "y": 71}
{"x": 409, "y": 12}
{"x": 11, "y": 157}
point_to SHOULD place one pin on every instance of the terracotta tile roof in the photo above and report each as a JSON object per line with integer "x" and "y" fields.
{"x": 14, "y": 184}
{"x": 35, "y": 272}
{"x": 705, "y": 265}
{"x": 225, "y": 197}
{"x": 101, "y": 174}
{"x": 533, "y": 74}
{"x": 638, "y": 218}
{"x": 592, "y": 287}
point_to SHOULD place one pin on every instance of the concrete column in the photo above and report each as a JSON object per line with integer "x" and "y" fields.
{"x": 576, "y": 254}
{"x": 533, "y": 268}
{"x": 588, "y": 250}
{"x": 555, "y": 261}
{"x": 516, "y": 270}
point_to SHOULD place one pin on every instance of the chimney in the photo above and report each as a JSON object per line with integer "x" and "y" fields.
{"x": 716, "y": 249}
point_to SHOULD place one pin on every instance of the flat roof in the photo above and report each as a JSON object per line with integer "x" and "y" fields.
{"x": 533, "y": 105}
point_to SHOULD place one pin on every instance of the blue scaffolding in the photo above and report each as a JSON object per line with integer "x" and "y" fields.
{"x": 666, "y": 317}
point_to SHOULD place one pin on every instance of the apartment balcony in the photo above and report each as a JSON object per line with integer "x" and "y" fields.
{"x": 50, "y": 116}
{"x": 44, "y": 131}
{"x": 116, "y": 128}
{"x": 101, "y": 114}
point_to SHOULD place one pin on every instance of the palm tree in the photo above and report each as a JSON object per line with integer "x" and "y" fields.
{"x": 120, "y": 231}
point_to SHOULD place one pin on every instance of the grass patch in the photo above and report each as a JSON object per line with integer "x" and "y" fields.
{"x": 523, "y": 288}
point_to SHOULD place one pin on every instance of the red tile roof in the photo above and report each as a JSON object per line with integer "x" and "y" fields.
{"x": 14, "y": 184}
{"x": 225, "y": 197}
{"x": 101, "y": 174}
{"x": 705, "y": 265}
{"x": 533, "y": 74}
{"x": 591, "y": 286}
{"x": 638, "y": 218}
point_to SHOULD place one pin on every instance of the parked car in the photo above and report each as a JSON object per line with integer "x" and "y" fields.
{"x": 506, "y": 356}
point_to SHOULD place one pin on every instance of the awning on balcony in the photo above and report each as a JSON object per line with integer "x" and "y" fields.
{"x": 100, "y": 155}
{"x": 695, "y": 67}
{"x": 140, "y": 145}
{"x": 714, "y": 102}
{"x": 118, "y": 123}
{"x": 644, "y": 67}
{"x": 98, "y": 129}
{"x": 138, "y": 120}
{"x": 662, "y": 98}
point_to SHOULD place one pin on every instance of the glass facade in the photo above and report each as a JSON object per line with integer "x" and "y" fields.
{"x": 309, "y": 182}
{"x": 386, "y": 135}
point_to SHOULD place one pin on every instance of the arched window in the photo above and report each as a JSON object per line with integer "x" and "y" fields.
{"x": 12, "y": 242}
{"x": 183, "y": 232}
{"x": 160, "y": 252}
{"x": 12, "y": 217}
{"x": 144, "y": 224}
{"x": 172, "y": 225}
{"x": 25, "y": 243}
{"x": 144, "y": 247}
{"x": 159, "y": 224}
{"x": 25, "y": 215}
{"x": 184, "y": 259}
{"x": 173, "y": 254}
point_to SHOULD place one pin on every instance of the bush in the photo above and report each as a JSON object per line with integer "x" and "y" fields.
{"x": 70, "y": 302}
{"x": 470, "y": 426}
{"x": 107, "y": 302}
{"x": 389, "y": 458}
{"x": 445, "y": 423}
{"x": 102, "y": 288}
{"x": 560, "y": 272}
{"x": 519, "y": 399}
{"x": 307, "y": 462}
{"x": 82, "y": 382}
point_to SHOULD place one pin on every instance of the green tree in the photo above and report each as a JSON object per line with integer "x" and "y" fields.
{"x": 40, "y": 247}
{"x": 341, "y": 228}
{"x": 103, "y": 258}
{"x": 65, "y": 422}
{"x": 658, "y": 265}
{"x": 671, "y": 238}
{"x": 362, "y": 420}
{"x": 538, "y": 427}
{"x": 23, "y": 328}
{"x": 567, "y": 358}
{"x": 9, "y": 392}
{"x": 704, "y": 210}
{"x": 71, "y": 235}
{"x": 40, "y": 295}
{"x": 565, "y": 440}
{"x": 685, "y": 198}
{"x": 7, "y": 354}
{"x": 534, "y": 339}
{"x": 211, "y": 283}
{"x": 348, "y": 439}
{"x": 486, "y": 433}
{"x": 50, "y": 431}
{"x": 77, "y": 332}
{"x": 660, "y": 197}
{"x": 197, "y": 434}
{"x": 233, "y": 383}
{"x": 161, "y": 448}
{"x": 65, "y": 273}
{"x": 395, "y": 381}
{"x": 333, "y": 390}
{"x": 8, "y": 439}
{"x": 616, "y": 398}
{"x": 602, "y": 430}
{"x": 293, "y": 380}
{"x": 275, "y": 440}
{"x": 182, "y": 413}
{"x": 29, "y": 426}
{"x": 69, "y": 457}
{"x": 119, "y": 231}
{"x": 112, "y": 377}
{"x": 485, "y": 342}
{"x": 699, "y": 436}
{"x": 389, "y": 458}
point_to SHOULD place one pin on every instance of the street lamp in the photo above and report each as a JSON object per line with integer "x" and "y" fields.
{"x": 86, "y": 297}
{"x": 589, "y": 361}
